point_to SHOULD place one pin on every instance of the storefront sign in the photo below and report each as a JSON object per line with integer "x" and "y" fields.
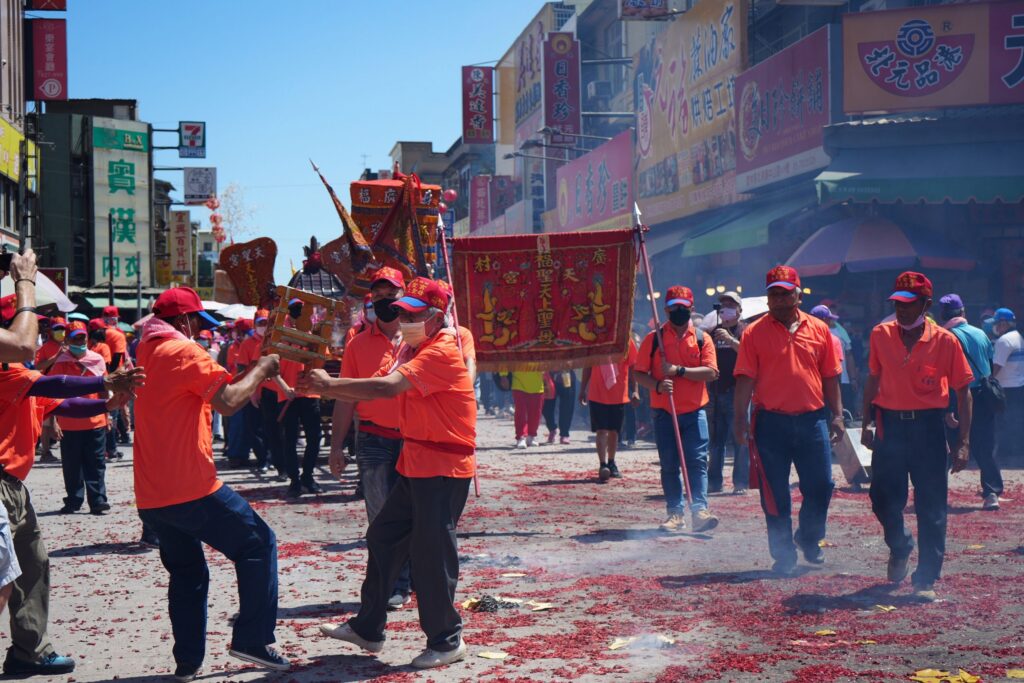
{"x": 503, "y": 194}
{"x": 562, "y": 87}
{"x": 477, "y": 104}
{"x": 49, "y": 60}
{"x": 55, "y": 5}
{"x": 643, "y": 9}
{"x": 59, "y": 277}
{"x": 686, "y": 111}
{"x": 782, "y": 107}
{"x": 479, "y": 201}
{"x": 200, "y": 184}
{"x": 10, "y": 154}
{"x": 528, "y": 56}
{"x": 930, "y": 57}
{"x": 595, "y": 191}
{"x": 191, "y": 139}
{"x": 181, "y": 243}
{"x": 120, "y": 158}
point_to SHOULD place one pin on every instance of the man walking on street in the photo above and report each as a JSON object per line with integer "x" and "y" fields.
{"x": 788, "y": 364}
{"x": 437, "y": 418}
{"x": 681, "y": 370}
{"x": 608, "y": 389}
{"x": 722, "y": 391}
{"x": 1008, "y": 368}
{"x": 977, "y": 348}
{"x": 913, "y": 365}
{"x": 179, "y": 495}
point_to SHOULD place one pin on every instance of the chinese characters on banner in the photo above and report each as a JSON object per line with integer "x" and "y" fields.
{"x": 595, "y": 191}
{"x": 685, "y": 97}
{"x": 120, "y": 170}
{"x": 477, "y": 104}
{"x": 643, "y": 9}
{"x": 562, "y": 87}
{"x": 181, "y": 243}
{"x": 49, "y": 60}
{"x": 479, "y": 201}
{"x": 250, "y": 267}
{"x": 546, "y": 301}
{"x": 782, "y": 107}
{"x": 930, "y": 57}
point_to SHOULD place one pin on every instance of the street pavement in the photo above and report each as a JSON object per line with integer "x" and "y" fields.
{"x": 614, "y": 599}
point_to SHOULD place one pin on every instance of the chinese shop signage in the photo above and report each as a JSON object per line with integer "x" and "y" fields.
{"x": 562, "y": 87}
{"x": 477, "y": 104}
{"x": 595, "y": 191}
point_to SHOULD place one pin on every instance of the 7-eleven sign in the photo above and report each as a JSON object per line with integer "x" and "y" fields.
{"x": 192, "y": 139}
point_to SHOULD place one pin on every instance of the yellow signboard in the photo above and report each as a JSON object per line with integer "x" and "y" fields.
{"x": 10, "y": 155}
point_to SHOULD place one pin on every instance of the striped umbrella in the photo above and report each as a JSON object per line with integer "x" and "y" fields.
{"x": 863, "y": 245}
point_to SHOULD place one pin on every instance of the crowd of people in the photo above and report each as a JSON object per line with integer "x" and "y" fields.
{"x": 775, "y": 392}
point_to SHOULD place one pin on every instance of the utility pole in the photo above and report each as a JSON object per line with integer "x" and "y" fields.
{"x": 138, "y": 285}
{"x": 110, "y": 256}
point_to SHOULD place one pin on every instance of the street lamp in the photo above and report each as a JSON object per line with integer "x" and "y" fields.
{"x": 548, "y": 130}
{"x": 513, "y": 155}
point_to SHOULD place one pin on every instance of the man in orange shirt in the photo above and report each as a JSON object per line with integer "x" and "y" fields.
{"x": 52, "y": 347}
{"x": 437, "y": 418}
{"x": 114, "y": 337}
{"x": 252, "y": 413}
{"x": 788, "y": 363}
{"x": 913, "y": 365}
{"x": 84, "y": 443}
{"x": 299, "y": 408}
{"x": 378, "y": 441}
{"x": 682, "y": 369}
{"x": 179, "y": 495}
{"x": 609, "y": 389}
{"x": 26, "y": 398}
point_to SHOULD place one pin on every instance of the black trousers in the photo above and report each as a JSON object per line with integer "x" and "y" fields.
{"x": 914, "y": 449}
{"x": 983, "y": 445}
{"x": 273, "y": 430}
{"x": 307, "y": 412}
{"x": 84, "y": 467}
{"x": 565, "y": 397}
{"x": 416, "y": 524}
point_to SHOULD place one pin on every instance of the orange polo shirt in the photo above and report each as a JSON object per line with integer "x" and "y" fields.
{"x": 290, "y": 371}
{"x": 788, "y": 367}
{"x": 116, "y": 340}
{"x": 104, "y": 350}
{"x": 598, "y": 390}
{"x": 232, "y": 356}
{"x": 681, "y": 350}
{"x": 173, "y": 439}
{"x": 468, "y": 345}
{"x": 48, "y": 350}
{"x": 366, "y": 354}
{"x": 249, "y": 351}
{"x": 21, "y": 419}
{"x": 438, "y": 414}
{"x": 78, "y": 424}
{"x": 921, "y": 379}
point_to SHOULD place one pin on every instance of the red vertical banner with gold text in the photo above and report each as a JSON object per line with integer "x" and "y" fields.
{"x": 546, "y": 302}
{"x": 477, "y": 105}
{"x": 49, "y": 67}
{"x": 562, "y": 88}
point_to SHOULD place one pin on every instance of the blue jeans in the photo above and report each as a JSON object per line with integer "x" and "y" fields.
{"x": 914, "y": 449}
{"x": 801, "y": 441}
{"x": 722, "y": 410}
{"x": 226, "y": 523}
{"x": 377, "y": 457}
{"x": 246, "y": 433}
{"x": 693, "y": 427}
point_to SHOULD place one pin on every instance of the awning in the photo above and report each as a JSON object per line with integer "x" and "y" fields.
{"x": 670, "y": 234}
{"x": 870, "y": 244}
{"x": 745, "y": 231}
{"x": 982, "y": 172}
{"x": 120, "y": 300}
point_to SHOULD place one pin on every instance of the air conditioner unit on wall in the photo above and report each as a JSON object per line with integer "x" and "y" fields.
{"x": 599, "y": 89}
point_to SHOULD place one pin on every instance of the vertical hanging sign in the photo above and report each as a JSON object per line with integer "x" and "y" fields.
{"x": 562, "y": 87}
{"x": 477, "y": 104}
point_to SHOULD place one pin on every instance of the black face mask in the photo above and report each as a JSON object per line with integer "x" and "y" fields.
{"x": 385, "y": 313}
{"x": 295, "y": 312}
{"x": 679, "y": 316}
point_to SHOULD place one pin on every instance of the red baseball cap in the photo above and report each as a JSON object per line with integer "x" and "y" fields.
{"x": 909, "y": 286}
{"x": 292, "y": 302}
{"x": 8, "y": 306}
{"x": 97, "y": 324}
{"x": 110, "y": 312}
{"x": 57, "y": 323}
{"x": 783, "y": 276}
{"x": 679, "y": 295}
{"x": 390, "y": 275}
{"x": 206, "y": 334}
{"x": 243, "y": 324}
{"x": 181, "y": 300}
{"x": 421, "y": 294}
{"x": 77, "y": 327}
{"x": 262, "y": 314}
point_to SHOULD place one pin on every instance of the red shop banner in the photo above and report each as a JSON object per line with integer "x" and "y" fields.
{"x": 54, "y": 5}
{"x": 595, "y": 192}
{"x": 562, "y": 87}
{"x": 479, "y": 201}
{"x": 546, "y": 302}
{"x": 49, "y": 60}
{"x": 477, "y": 104}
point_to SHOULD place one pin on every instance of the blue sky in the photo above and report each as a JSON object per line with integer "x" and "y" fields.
{"x": 281, "y": 82}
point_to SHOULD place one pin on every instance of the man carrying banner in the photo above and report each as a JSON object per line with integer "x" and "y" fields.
{"x": 788, "y": 363}
{"x": 681, "y": 370}
{"x": 437, "y": 418}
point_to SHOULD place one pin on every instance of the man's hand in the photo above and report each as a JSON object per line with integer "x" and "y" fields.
{"x": 123, "y": 381}
{"x": 58, "y": 433}
{"x": 336, "y": 461}
{"x": 963, "y": 454}
{"x": 867, "y": 437}
{"x": 951, "y": 421}
{"x": 583, "y": 397}
{"x": 23, "y": 266}
{"x": 635, "y": 398}
{"x": 664, "y": 386}
{"x": 116, "y": 402}
{"x": 314, "y": 382}
{"x": 741, "y": 428}
{"x": 836, "y": 429}
{"x": 668, "y": 369}
{"x": 722, "y": 335}
{"x": 269, "y": 365}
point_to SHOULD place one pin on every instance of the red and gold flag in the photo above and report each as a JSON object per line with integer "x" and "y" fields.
{"x": 546, "y": 302}
{"x": 250, "y": 265}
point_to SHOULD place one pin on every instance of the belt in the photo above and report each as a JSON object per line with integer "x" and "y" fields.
{"x": 911, "y": 414}
{"x": 377, "y": 430}
{"x": 10, "y": 478}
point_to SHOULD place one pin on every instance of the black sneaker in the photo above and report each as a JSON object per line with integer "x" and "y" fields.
{"x": 100, "y": 508}
{"x": 50, "y": 665}
{"x": 310, "y": 486}
{"x": 814, "y": 554}
{"x": 67, "y": 510}
{"x": 897, "y": 568}
{"x": 784, "y": 568}
{"x": 186, "y": 672}
{"x": 398, "y": 601}
{"x": 603, "y": 473}
{"x": 615, "y": 470}
{"x": 150, "y": 540}
{"x": 264, "y": 656}
{"x": 294, "y": 490}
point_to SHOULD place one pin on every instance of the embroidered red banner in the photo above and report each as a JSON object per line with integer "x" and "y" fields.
{"x": 546, "y": 302}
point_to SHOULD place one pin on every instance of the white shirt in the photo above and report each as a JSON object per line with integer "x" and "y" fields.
{"x": 1009, "y": 354}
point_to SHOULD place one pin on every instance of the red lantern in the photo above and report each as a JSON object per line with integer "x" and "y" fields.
{"x": 216, "y": 219}
{"x": 212, "y": 204}
{"x": 450, "y": 195}
{"x": 442, "y": 207}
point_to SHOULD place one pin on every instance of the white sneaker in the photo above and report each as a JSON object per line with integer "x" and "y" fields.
{"x": 428, "y": 659}
{"x": 345, "y": 632}
{"x": 521, "y": 444}
{"x": 991, "y": 502}
{"x": 531, "y": 441}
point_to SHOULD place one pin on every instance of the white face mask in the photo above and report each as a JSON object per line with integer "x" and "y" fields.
{"x": 260, "y": 330}
{"x": 413, "y": 334}
{"x": 914, "y": 325}
{"x": 728, "y": 315}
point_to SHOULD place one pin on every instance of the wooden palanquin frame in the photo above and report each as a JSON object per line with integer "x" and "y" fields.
{"x": 303, "y": 340}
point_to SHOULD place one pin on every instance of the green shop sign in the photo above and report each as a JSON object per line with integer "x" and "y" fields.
{"x": 116, "y": 138}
